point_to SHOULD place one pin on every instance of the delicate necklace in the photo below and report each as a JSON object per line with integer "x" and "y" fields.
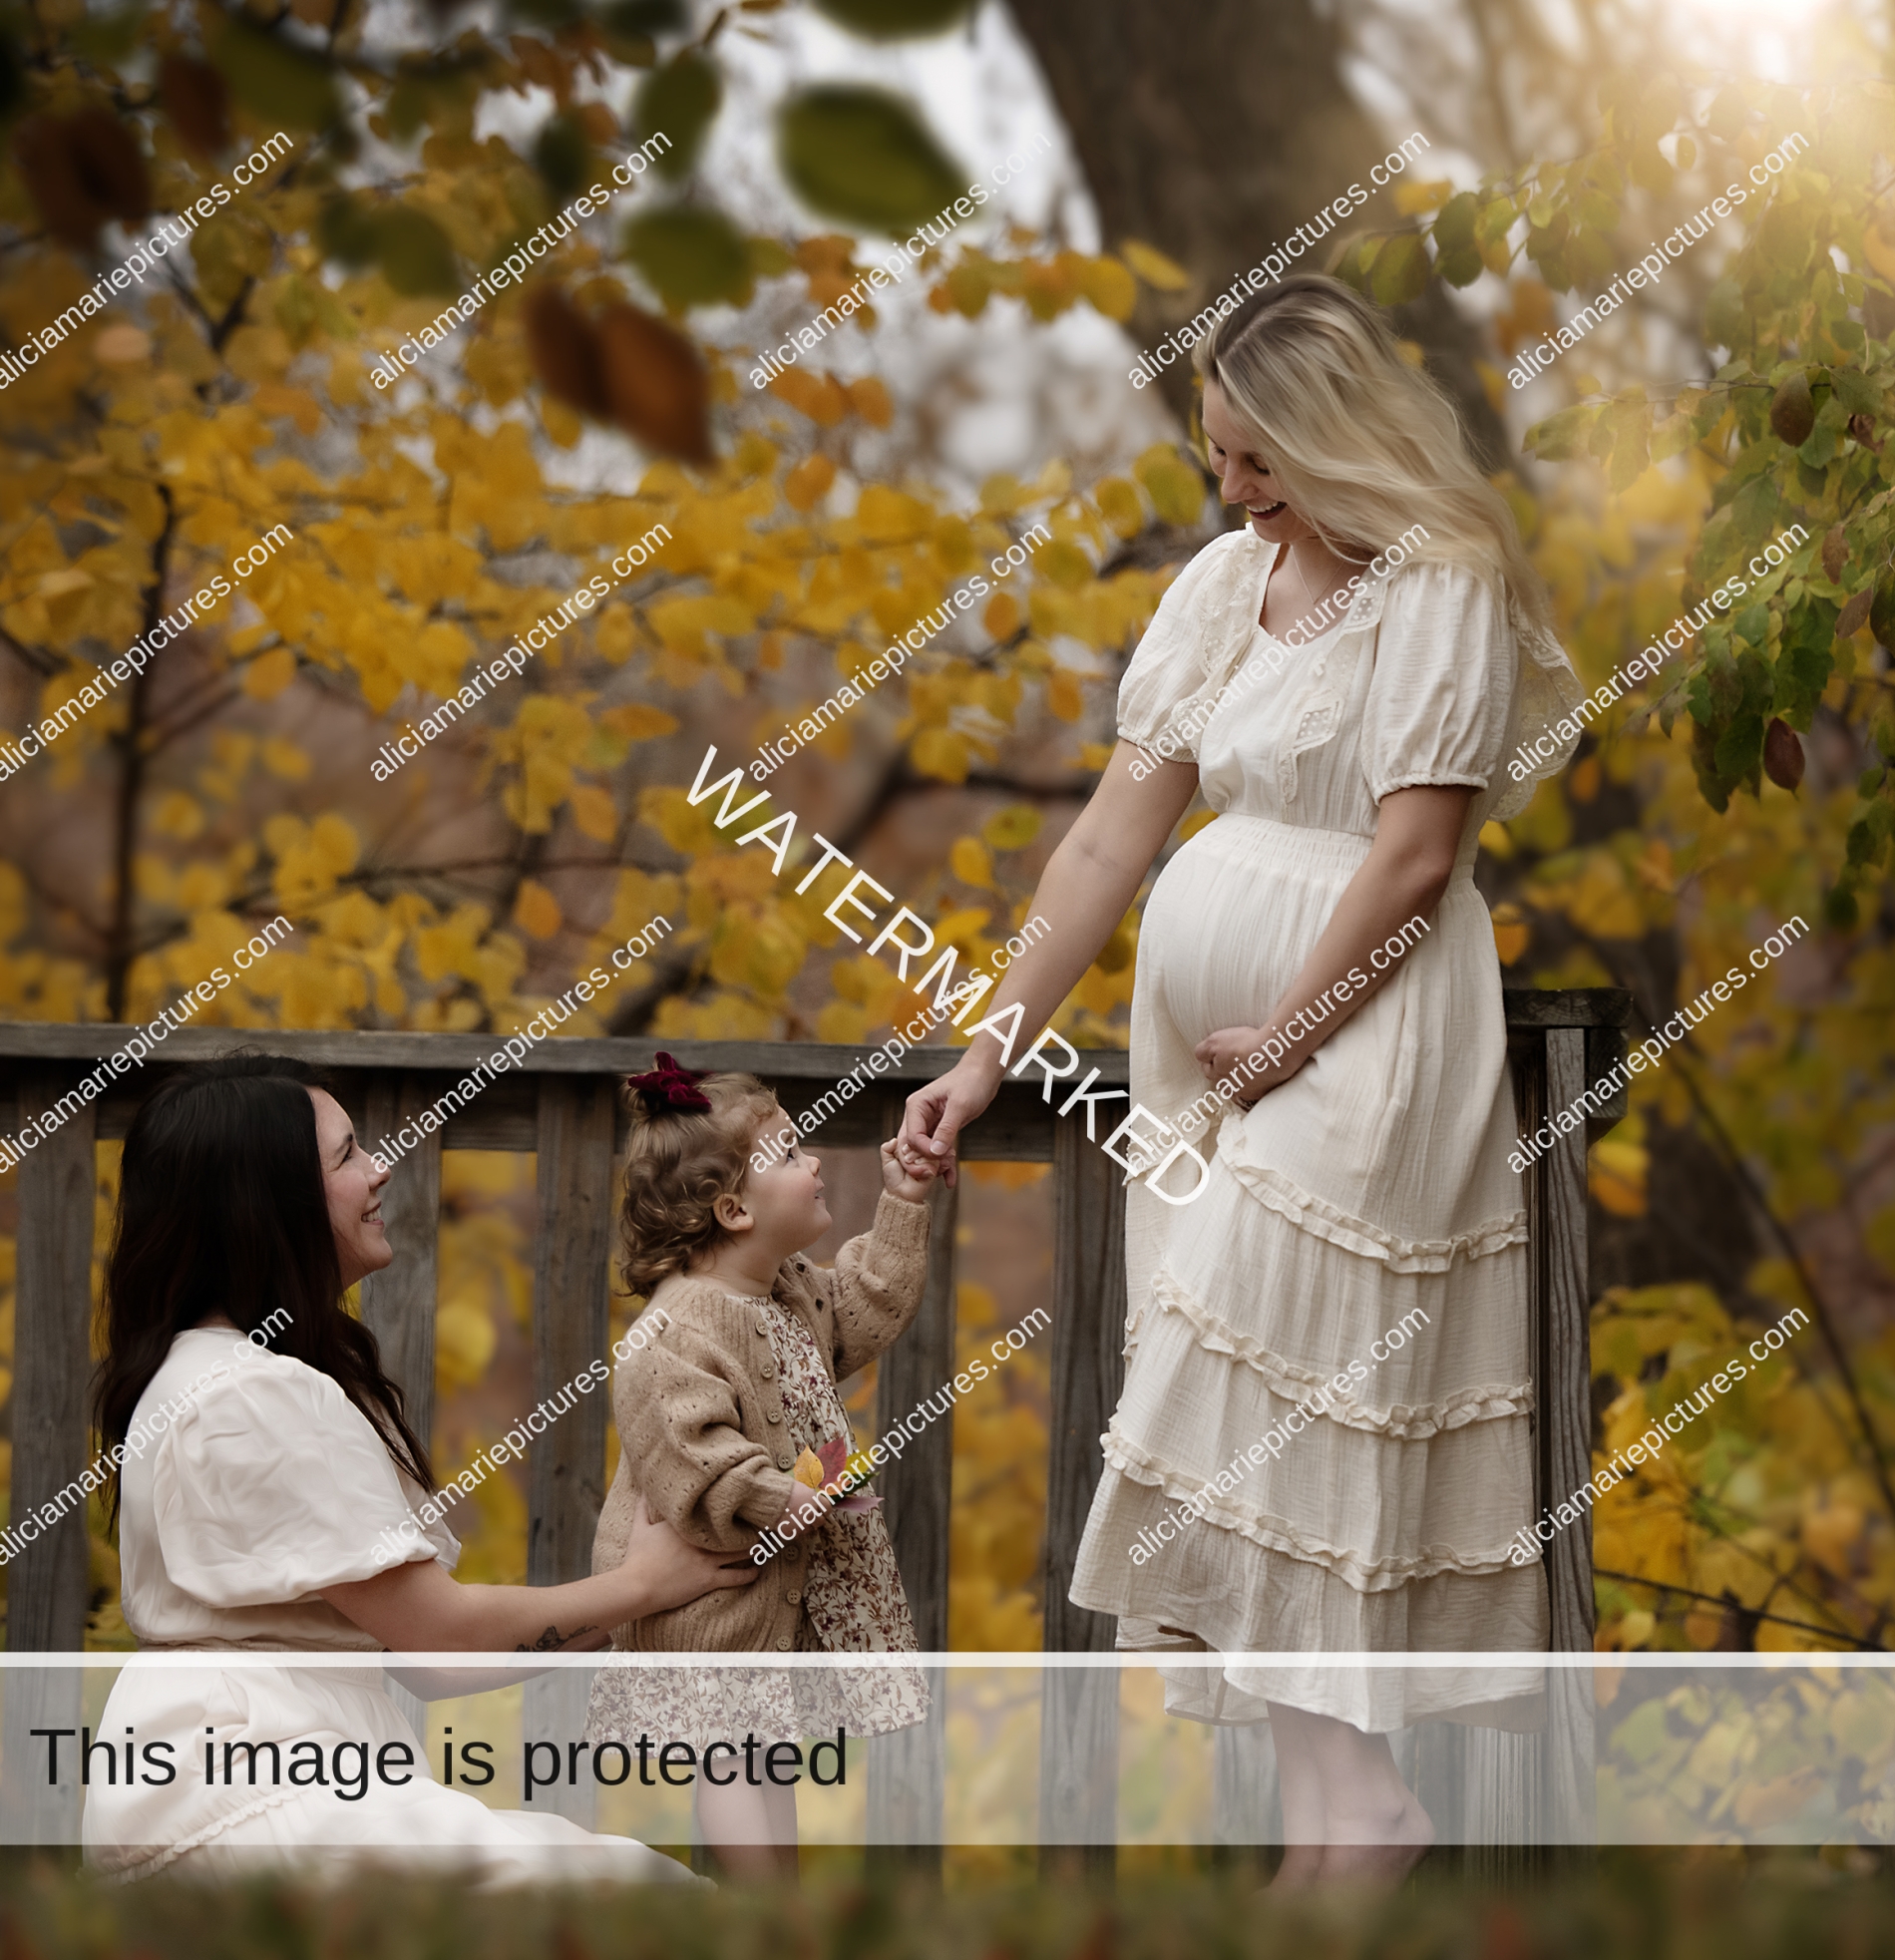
{"x": 1290, "y": 558}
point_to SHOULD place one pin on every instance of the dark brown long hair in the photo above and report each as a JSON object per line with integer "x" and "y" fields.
{"x": 221, "y": 1210}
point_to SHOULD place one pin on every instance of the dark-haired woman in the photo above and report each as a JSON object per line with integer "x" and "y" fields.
{"x": 262, "y": 1481}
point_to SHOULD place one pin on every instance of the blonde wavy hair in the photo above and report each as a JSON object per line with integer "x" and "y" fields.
{"x": 678, "y": 1163}
{"x": 1364, "y": 445}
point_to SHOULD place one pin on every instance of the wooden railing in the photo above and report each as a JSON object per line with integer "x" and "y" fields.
{"x": 562, "y": 1103}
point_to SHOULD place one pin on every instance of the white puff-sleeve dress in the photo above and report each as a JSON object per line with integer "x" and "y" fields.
{"x": 260, "y": 1483}
{"x": 1356, "y": 1261}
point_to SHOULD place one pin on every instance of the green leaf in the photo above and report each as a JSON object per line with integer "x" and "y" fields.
{"x": 1804, "y": 660}
{"x": 1706, "y": 410}
{"x": 1495, "y": 221}
{"x": 1631, "y": 424}
{"x": 1546, "y": 247}
{"x": 1562, "y": 436}
{"x": 691, "y": 256}
{"x": 305, "y": 307}
{"x": 768, "y": 258}
{"x": 1882, "y": 610}
{"x": 1595, "y": 209}
{"x": 1752, "y": 625}
{"x": 1672, "y": 437}
{"x": 1401, "y": 270}
{"x": 1759, "y": 684}
{"x": 681, "y": 100}
{"x": 1869, "y": 834}
{"x": 1754, "y": 512}
{"x": 896, "y": 20}
{"x": 283, "y": 85}
{"x": 1589, "y": 257}
{"x": 1659, "y": 104}
{"x": 1729, "y": 113}
{"x": 1855, "y": 391}
{"x": 1356, "y": 257}
{"x": 1648, "y": 167}
{"x": 863, "y": 156}
{"x": 1740, "y": 751}
{"x": 1462, "y": 266}
{"x": 1724, "y": 322}
{"x": 345, "y": 229}
{"x": 1454, "y": 222}
{"x": 1825, "y": 443}
{"x": 563, "y": 155}
{"x": 415, "y": 254}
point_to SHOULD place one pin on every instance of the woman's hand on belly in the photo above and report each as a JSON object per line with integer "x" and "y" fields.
{"x": 1242, "y": 1049}
{"x": 1388, "y": 902}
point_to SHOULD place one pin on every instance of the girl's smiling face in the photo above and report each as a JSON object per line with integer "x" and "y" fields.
{"x": 785, "y": 1202}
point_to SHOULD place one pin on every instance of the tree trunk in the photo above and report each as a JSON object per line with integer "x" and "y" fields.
{"x": 128, "y": 793}
{"x": 1212, "y": 132}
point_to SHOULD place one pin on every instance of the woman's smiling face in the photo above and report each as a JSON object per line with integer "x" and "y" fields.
{"x": 352, "y": 1183}
{"x": 1244, "y": 476}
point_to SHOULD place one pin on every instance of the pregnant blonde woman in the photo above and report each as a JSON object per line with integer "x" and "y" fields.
{"x": 1359, "y": 1182}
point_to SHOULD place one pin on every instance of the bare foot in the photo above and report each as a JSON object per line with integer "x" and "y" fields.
{"x": 1377, "y": 1852}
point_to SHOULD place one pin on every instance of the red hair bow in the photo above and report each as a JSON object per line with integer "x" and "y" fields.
{"x": 670, "y": 1086}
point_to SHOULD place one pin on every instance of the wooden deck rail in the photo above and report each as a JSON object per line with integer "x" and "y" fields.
{"x": 562, "y": 1103}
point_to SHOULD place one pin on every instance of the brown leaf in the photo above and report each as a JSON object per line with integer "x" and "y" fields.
{"x": 1863, "y": 430}
{"x": 1783, "y": 754}
{"x": 1835, "y": 552}
{"x": 657, "y": 384}
{"x": 1854, "y": 613}
{"x": 566, "y": 352}
{"x": 197, "y": 100}
{"x": 1792, "y": 411}
{"x": 81, "y": 169}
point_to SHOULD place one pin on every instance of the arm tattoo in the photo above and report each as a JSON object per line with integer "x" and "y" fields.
{"x": 552, "y": 1640}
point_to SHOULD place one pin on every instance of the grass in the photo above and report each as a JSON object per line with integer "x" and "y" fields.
{"x": 1643, "y": 1905}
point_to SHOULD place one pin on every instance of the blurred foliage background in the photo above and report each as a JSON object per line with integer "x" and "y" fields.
{"x": 808, "y": 522}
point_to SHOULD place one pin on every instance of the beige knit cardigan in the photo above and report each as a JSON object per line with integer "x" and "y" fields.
{"x": 701, "y": 1432}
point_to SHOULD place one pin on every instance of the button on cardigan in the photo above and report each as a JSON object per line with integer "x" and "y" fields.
{"x": 699, "y": 1418}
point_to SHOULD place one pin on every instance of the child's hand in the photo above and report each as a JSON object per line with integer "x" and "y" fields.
{"x": 906, "y": 1173}
{"x": 804, "y": 1508}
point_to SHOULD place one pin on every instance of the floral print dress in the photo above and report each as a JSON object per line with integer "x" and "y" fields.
{"x": 853, "y": 1602}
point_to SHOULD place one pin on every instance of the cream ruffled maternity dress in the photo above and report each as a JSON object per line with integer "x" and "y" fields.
{"x": 268, "y": 1486}
{"x": 1370, "y": 1188}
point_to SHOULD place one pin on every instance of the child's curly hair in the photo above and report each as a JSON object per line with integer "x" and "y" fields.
{"x": 690, "y": 1142}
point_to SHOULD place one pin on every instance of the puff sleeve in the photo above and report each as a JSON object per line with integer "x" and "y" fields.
{"x": 271, "y": 1484}
{"x": 1174, "y": 666}
{"x": 1443, "y": 683}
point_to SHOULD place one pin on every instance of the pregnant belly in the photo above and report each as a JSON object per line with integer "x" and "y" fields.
{"x": 1234, "y": 916}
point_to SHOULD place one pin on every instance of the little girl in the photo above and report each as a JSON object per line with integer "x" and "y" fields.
{"x": 736, "y": 1391}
